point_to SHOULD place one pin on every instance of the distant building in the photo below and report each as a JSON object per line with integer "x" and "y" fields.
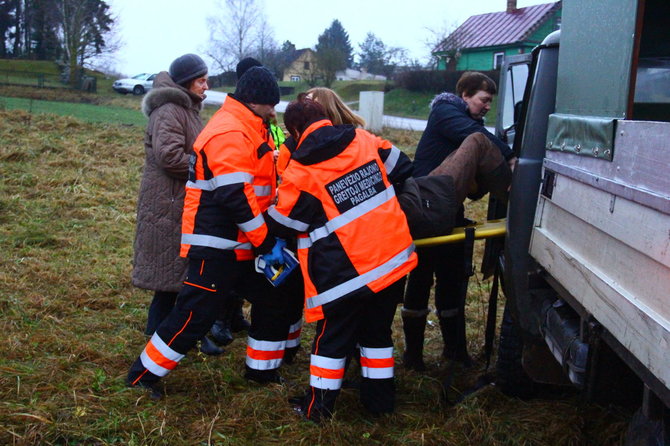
{"x": 349, "y": 74}
{"x": 303, "y": 67}
{"x": 482, "y": 41}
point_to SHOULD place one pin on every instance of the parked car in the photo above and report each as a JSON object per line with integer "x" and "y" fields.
{"x": 136, "y": 85}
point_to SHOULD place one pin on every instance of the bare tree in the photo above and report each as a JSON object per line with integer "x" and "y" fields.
{"x": 445, "y": 42}
{"x": 234, "y": 32}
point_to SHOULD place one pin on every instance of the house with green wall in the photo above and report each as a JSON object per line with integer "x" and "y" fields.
{"x": 482, "y": 40}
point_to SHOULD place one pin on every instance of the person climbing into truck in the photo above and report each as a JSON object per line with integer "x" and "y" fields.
{"x": 453, "y": 118}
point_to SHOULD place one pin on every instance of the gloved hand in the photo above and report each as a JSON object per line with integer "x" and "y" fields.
{"x": 276, "y": 256}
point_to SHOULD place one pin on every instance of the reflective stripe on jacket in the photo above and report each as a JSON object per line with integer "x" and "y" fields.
{"x": 337, "y": 195}
{"x": 232, "y": 180}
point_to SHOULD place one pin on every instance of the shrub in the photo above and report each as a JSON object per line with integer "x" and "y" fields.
{"x": 434, "y": 81}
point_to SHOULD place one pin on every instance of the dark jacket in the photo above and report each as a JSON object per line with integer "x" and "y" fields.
{"x": 174, "y": 124}
{"x": 449, "y": 123}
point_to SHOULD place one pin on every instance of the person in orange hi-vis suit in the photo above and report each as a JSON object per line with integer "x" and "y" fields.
{"x": 232, "y": 180}
{"x": 354, "y": 248}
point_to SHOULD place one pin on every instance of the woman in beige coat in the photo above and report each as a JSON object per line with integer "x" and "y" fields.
{"x": 173, "y": 107}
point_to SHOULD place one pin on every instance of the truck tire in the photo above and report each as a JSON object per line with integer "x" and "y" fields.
{"x": 645, "y": 432}
{"x": 510, "y": 376}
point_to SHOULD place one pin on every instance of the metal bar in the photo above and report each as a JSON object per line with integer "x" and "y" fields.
{"x": 488, "y": 229}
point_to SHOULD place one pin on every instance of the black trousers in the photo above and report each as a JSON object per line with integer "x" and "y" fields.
{"x": 161, "y": 305}
{"x": 364, "y": 321}
{"x": 446, "y": 264}
{"x": 208, "y": 284}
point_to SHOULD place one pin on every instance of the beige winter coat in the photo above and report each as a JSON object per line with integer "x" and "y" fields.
{"x": 174, "y": 124}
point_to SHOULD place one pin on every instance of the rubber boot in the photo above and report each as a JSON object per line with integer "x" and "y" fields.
{"x": 208, "y": 347}
{"x": 414, "y": 325}
{"x": 263, "y": 376}
{"x": 221, "y": 332}
{"x": 452, "y": 324}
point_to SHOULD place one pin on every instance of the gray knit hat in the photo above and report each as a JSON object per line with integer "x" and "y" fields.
{"x": 186, "y": 68}
{"x": 257, "y": 86}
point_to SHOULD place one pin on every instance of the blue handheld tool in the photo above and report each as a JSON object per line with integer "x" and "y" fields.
{"x": 277, "y": 273}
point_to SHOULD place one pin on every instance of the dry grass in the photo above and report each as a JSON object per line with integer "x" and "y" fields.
{"x": 72, "y": 324}
{"x": 76, "y": 96}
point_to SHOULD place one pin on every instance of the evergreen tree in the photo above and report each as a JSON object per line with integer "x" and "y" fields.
{"x": 373, "y": 54}
{"x": 333, "y": 52}
{"x": 82, "y": 26}
{"x": 279, "y": 59}
{"x": 75, "y": 30}
{"x": 377, "y": 58}
{"x": 44, "y": 44}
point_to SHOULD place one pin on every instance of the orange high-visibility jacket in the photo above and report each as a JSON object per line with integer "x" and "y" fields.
{"x": 232, "y": 180}
{"x": 337, "y": 194}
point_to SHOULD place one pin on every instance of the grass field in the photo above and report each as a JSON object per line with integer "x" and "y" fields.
{"x": 36, "y": 66}
{"x": 43, "y": 73}
{"x": 72, "y": 324}
{"x": 86, "y": 112}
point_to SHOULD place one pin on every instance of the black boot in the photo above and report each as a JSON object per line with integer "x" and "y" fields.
{"x": 221, "y": 333}
{"x": 208, "y": 347}
{"x": 263, "y": 376}
{"x": 452, "y": 324}
{"x": 496, "y": 182}
{"x": 237, "y": 321}
{"x": 154, "y": 390}
{"x": 414, "y": 325}
{"x": 289, "y": 354}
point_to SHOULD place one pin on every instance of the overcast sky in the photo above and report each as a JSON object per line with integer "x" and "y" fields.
{"x": 154, "y": 32}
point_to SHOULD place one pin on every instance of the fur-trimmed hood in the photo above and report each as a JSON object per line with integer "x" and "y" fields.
{"x": 449, "y": 98}
{"x": 165, "y": 90}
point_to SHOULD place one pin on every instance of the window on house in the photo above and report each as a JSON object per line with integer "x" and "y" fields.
{"x": 498, "y": 60}
{"x": 306, "y": 66}
{"x": 295, "y": 78}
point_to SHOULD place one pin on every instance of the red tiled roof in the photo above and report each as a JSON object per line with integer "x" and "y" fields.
{"x": 499, "y": 28}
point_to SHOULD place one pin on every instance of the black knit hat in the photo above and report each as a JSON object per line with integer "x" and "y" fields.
{"x": 186, "y": 68}
{"x": 257, "y": 86}
{"x": 245, "y": 64}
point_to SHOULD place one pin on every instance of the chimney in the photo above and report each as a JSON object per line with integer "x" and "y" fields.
{"x": 511, "y": 5}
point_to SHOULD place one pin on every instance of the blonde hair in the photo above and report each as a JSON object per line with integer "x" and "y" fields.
{"x": 336, "y": 110}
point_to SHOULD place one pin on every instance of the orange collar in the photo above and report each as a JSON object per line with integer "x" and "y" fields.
{"x": 244, "y": 113}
